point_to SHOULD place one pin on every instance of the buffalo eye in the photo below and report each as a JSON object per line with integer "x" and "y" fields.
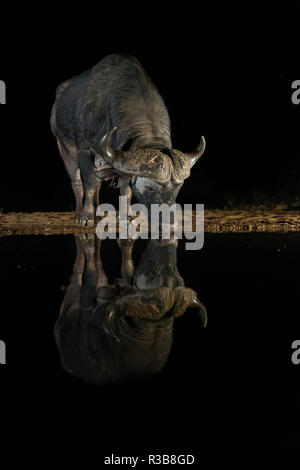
{"x": 150, "y": 188}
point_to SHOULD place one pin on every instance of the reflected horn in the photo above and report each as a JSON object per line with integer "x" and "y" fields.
{"x": 201, "y": 310}
{"x": 109, "y": 322}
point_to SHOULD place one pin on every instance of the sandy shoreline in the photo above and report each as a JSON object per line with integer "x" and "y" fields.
{"x": 215, "y": 221}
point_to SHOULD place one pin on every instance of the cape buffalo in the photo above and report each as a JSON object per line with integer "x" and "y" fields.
{"x": 111, "y": 123}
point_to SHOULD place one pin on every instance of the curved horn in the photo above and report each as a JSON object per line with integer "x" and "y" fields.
{"x": 183, "y": 162}
{"x": 147, "y": 163}
{"x": 107, "y": 152}
{"x": 201, "y": 310}
{"x": 194, "y": 156}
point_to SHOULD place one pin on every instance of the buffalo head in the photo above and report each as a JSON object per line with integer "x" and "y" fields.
{"x": 156, "y": 174}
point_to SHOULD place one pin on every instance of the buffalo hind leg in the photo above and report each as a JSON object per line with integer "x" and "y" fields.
{"x": 91, "y": 187}
{"x": 69, "y": 156}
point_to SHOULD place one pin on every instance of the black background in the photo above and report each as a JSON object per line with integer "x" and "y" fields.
{"x": 225, "y": 75}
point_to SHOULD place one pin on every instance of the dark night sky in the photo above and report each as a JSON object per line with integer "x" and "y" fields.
{"x": 224, "y": 81}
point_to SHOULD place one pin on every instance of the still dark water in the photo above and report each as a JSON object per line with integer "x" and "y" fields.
{"x": 227, "y": 386}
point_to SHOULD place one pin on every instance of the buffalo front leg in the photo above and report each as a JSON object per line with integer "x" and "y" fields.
{"x": 91, "y": 187}
{"x": 127, "y": 192}
{"x": 78, "y": 193}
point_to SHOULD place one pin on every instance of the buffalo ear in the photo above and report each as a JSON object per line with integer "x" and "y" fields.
{"x": 97, "y": 165}
{"x": 97, "y": 161}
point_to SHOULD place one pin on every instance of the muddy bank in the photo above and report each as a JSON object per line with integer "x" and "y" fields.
{"x": 239, "y": 221}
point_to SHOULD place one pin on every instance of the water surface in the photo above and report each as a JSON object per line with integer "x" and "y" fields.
{"x": 229, "y": 385}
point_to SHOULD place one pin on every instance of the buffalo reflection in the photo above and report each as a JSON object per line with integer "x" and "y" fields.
{"x": 113, "y": 332}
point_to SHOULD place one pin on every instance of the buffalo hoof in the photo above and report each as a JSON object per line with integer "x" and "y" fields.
{"x": 86, "y": 222}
